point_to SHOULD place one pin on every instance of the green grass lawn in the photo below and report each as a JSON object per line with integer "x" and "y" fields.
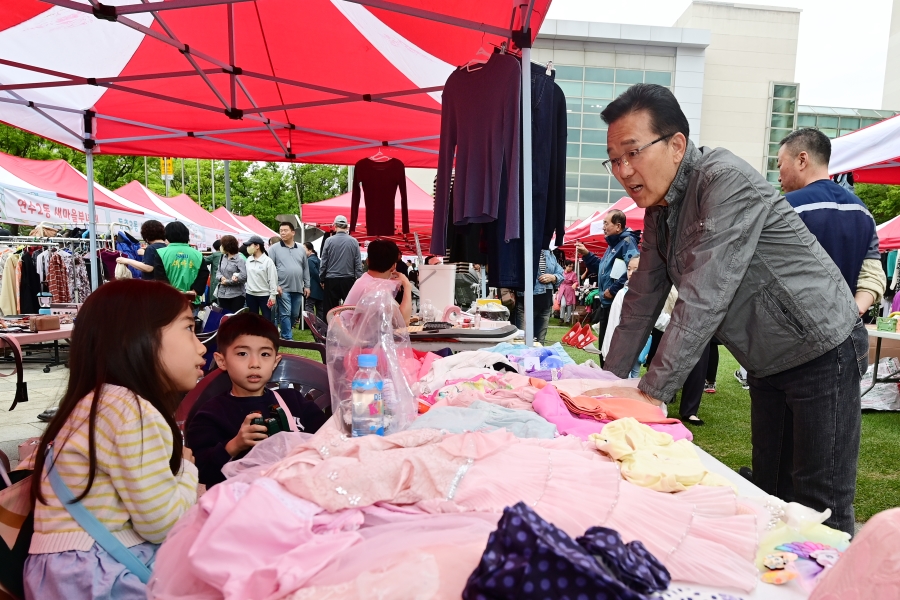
{"x": 726, "y": 434}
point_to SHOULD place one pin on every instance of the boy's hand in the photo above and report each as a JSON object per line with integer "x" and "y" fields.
{"x": 248, "y": 436}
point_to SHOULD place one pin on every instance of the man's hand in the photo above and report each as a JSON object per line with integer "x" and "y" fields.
{"x": 627, "y": 392}
{"x": 247, "y": 437}
{"x": 581, "y": 249}
{"x": 279, "y": 290}
{"x": 547, "y": 278}
{"x": 864, "y": 301}
{"x": 607, "y": 295}
{"x": 306, "y": 292}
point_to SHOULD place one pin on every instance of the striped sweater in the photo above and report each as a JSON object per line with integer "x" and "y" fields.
{"x": 134, "y": 492}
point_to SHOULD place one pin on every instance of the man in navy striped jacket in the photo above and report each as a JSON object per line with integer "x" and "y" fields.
{"x": 839, "y": 220}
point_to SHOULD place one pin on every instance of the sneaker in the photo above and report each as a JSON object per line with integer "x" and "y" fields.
{"x": 710, "y": 387}
{"x": 741, "y": 380}
{"x": 47, "y": 415}
{"x": 693, "y": 420}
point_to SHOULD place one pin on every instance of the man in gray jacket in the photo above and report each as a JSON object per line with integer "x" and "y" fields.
{"x": 293, "y": 278}
{"x": 749, "y": 272}
{"x": 340, "y": 265}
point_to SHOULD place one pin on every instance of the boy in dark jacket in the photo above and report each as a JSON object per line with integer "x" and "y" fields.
{"x": 221, "y": 430}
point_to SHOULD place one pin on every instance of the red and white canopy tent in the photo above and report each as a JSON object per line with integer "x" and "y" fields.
{"x": 204, "y": 227}
{"x": 889, "y": 235}
{"x": 248, "y": 223}
{"x": 420, "y": 205}
{"x": 54, "y": 192}
{"x": 872, "y": 154}
{"x": 314, "y": 81}
{"x": 590, "y": 231}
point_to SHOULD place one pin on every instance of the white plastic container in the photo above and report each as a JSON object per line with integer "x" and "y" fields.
{"x": 438, "y": 284}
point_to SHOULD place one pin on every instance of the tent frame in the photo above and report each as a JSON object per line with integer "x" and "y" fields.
{"x": 254, "y": 112}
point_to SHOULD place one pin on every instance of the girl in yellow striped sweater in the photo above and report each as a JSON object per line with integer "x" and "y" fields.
{"x": 115, "y": 442}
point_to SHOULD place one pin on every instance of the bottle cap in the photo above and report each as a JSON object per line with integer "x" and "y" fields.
{"x": 367, "y": 360}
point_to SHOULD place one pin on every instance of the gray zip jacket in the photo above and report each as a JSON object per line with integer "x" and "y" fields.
{"x": 747, "y": 270}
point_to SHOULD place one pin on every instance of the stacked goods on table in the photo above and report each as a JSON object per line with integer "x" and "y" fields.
{"x": 509, "y": 485}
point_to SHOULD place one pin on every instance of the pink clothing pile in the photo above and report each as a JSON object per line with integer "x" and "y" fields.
{"x": 550, "y": 405}
{"x": 409, "y": 515}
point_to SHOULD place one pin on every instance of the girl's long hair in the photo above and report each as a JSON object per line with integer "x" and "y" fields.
{"x": 117, "y": 341}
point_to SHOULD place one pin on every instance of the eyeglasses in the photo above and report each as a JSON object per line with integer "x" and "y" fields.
{"x": 614, "y": 164}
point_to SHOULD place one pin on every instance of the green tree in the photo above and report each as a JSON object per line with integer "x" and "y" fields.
{"x": 883, "y": 201}
{"x": 261, "y": 189}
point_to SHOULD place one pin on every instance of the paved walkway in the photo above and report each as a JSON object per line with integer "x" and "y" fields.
{"x": 44, "y": 391}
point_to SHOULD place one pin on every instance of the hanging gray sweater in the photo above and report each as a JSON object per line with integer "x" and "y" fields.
{"x": 480, "y": 126}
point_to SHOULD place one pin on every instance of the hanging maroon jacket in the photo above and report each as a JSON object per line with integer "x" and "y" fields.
{"x": 379, "y": 181}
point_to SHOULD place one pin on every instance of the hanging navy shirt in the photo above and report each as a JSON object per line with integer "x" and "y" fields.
{"x": 842, "y": 224}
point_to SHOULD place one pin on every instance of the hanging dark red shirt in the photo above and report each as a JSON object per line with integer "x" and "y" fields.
{"x": 379, "y": 181}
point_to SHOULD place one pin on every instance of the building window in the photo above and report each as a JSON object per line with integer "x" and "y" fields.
{"x": 588, "y": 91}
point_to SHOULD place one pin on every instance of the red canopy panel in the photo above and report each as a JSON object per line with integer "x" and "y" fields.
{"x": 277, "y": 80}
{"x": 889, "y": 235}
{"x": 419, "y": 203}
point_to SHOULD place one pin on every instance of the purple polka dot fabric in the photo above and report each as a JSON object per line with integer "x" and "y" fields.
{"x": 630, "y": 563}
{"x": 529, "y": 558}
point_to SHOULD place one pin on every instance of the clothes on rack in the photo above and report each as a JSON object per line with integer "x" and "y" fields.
{"x": 9, "y": 292}
{"x": 379, "y": 182}
{"x": 29, "y": 285}
{"x": 480, "y": 127}
{"x": 58, "y": 279}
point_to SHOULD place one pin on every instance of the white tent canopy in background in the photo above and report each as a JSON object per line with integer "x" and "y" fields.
{"x": 872, "y": 154}
{"x": 54, "y": 192}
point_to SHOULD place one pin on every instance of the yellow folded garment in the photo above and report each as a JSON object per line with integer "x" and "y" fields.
{"x": 652, "y": 459}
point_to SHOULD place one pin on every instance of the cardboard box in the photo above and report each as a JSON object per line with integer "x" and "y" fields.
{"x": 888, "y": 348}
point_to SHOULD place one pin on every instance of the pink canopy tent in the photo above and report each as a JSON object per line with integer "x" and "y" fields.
{"x": 420, "y": 206}
{"x": 248, "y": 223}
{"x": 53, "y": 191}
{"x": 128, "y": 77}
{"x": 872, "y": 154}
{"x": 590, "y": 231}
{"x": 889, "y": 235}
{"x": 204, "y": 227}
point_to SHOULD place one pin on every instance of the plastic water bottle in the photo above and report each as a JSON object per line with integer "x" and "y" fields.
{"x": 367, "y": 397}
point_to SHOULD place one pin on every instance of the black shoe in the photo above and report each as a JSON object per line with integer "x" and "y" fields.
{"x": 692, "y": 420}
{"x": 746, "y": 473}
{"x": 47, "y": 415}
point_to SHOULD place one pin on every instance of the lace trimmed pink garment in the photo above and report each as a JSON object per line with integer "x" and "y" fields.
{"x": 564, "y": 480}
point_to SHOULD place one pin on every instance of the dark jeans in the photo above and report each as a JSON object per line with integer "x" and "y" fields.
{"x": 805, "y": 427}
{"x": 692, "y": 390}
{"x": 231, "y": 305}
{"x": 259, "y": 305}
{"x": 655, "y": 339}
{"x": 336, "y": 290}
{"x": 600, "y": 318}
{"x": 543, "y": 306}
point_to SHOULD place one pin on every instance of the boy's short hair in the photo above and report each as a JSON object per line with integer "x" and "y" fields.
{"x": 245, "y": 324}
{"x": 383, "y": 255}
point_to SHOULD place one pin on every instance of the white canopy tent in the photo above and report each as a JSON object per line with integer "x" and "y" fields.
{"x": 872, "y": 154}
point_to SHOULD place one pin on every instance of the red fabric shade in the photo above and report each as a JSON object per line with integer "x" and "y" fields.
{"x": 313, "y": 81}
{"x": 889, "y": 235}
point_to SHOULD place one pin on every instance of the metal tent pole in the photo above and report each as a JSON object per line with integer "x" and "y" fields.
{"x": 212, "y": 178}
{"x": 526, "y": 177}
{"x": 228, "y": 185}
{"x": 92, "y": 219}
